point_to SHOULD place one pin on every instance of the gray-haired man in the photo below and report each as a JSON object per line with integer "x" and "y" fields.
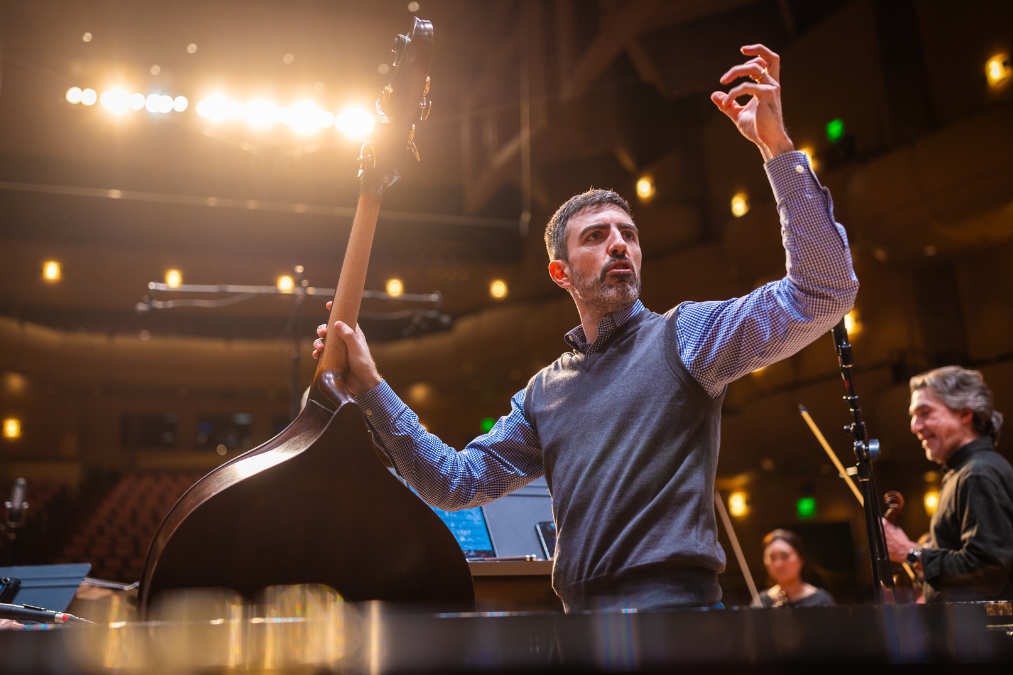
{"x": 971, "y": 557}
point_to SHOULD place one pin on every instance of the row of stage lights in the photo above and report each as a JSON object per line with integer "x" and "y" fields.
{"x": 304, "y": 117}
{"x": 51, "y": 272}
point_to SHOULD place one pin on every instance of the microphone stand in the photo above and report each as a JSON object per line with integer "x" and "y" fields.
{"x": 865, "y": 451}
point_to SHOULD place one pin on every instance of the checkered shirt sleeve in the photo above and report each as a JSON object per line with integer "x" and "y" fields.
{"x": 720, "y": 342}
{"x": 492, "y": 465}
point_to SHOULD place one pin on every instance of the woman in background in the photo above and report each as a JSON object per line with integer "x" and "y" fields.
{"x": 784, "y": 558}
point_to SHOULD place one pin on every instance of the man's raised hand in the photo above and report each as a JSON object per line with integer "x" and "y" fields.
{"x": 760, "y": 119}
{"x": 362, "y": 375}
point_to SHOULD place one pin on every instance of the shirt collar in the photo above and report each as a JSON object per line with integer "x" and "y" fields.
{"x": 964, "y": 452}
{"x": 606, "y": 326}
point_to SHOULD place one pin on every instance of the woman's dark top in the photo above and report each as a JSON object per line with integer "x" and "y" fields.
{"x": 818, "y": 599}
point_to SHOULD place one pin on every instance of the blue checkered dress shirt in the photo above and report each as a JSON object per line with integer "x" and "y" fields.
{"x": 718, "y": 342}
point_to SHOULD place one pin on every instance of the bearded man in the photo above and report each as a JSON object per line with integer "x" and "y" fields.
{"x": 971, "y": 556}
{"x": 625, "y": 426}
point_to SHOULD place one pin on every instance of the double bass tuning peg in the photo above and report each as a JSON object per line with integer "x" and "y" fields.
{"x": 425, "y": 106}
{"x": 411, "y": 145}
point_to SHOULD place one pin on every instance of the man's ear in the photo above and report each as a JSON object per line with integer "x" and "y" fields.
{"x": 967, "y": 417}
{"x": 560, "y": 273}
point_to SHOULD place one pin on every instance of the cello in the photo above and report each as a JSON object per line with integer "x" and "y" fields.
{"x": 314, "y": 505}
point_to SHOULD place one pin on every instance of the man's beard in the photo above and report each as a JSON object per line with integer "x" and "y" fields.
{"x": 603, "y": 297}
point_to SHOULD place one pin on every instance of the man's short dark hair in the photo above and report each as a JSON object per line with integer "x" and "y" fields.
{"x": 555, "y": 231}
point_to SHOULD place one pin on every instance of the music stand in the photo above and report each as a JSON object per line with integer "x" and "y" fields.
{"x": 48, "y": 586}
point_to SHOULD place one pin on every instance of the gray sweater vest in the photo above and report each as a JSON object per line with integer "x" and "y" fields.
{"x": 630, "y": 446}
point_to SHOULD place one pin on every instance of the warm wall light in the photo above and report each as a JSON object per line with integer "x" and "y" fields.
{"x": 740, "y": 205}
{"x": 394, "y": 287}
{"x": 852, "y": 323}
{"x": 931, "y": 501}
{"x": 498, "y": 289}
{"x": 285, "y": 284}
{"x": 997, "y": 69}
{"x": 173, "y": 278}
{"x": 51, "y": 270}
{"x": 810, "y": 155}
{"x": 737, "y": 505}
{"x": 12, "y": 428}
{"x": 645, "y": 188}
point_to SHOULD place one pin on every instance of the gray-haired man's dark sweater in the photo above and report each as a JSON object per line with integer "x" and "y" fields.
{"x": 630, "y": 448}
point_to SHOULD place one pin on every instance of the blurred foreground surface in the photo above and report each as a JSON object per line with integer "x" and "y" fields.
{"x": 310, "y": 629}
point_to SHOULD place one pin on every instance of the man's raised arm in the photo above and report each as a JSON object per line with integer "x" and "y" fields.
{"x": 722, "y": 341}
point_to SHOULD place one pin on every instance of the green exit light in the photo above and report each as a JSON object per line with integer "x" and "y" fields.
{"x": 487, "y": 424}
{"x": 806, "y": 507}
{"x": 835, "y": 130}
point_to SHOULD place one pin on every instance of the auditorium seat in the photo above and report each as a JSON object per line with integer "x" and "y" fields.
{"x": 115, "y": 537}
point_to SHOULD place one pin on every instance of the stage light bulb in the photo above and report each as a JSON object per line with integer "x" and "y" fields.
{"x": 137, "y": 101}
{"x": 740, "y": 204}
{"x": 74, "y": 95}
{"x": 51, "y": 270}
{"x": 931, "y": 501}
{"x": 153, "y": 102}
{"x": 261, "y": 113}
{"x": 165, "y": 104}
{"x": 303, "y": 117}
{"x": 498, "y": 289}
{"x": 86, "y": 37}
{"x": 355, "y": 123}
{"x": 173, "y": 278}
{"x": 285, "y": 284}
{"x": 191, "y": 48}
{"x": 395, "y": 287}
{"x": 325, "y": 119}
{"x": 645, "y": 188}
{"x": 234, "y": 110}
{"x": 115, "y": 100}
{"x": 88, "y": 97}
{"x": 179, "y": 104}
{"x": 214, "y": 108}
{"x": 852, "y": 323}
{"x": 997, "y": 69}
{"x": 737, "y": 504}
{"x": 12, "y": 428}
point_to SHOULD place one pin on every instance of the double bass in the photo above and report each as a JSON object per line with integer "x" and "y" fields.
{"x": 314, "y": 504}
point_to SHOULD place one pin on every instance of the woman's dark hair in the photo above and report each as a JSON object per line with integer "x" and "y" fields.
{"x": 787, "y": 537}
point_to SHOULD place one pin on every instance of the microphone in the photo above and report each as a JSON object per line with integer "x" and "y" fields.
{"x": 16, "y": 507}
{"x": 32, "y": 613}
